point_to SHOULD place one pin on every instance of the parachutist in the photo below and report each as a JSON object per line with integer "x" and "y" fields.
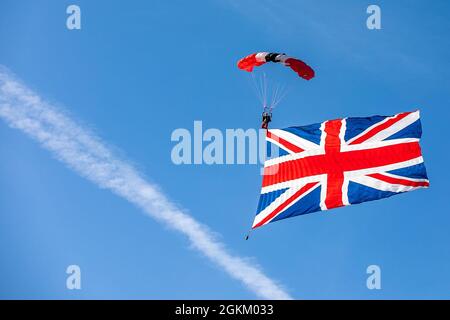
{"x": 266, "y": 118}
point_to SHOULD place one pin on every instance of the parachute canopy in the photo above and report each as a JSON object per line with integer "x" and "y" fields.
{"x": 260, "y": 58}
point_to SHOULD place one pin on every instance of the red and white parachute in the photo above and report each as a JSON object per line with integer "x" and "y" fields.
{"x": 260, "y": 58}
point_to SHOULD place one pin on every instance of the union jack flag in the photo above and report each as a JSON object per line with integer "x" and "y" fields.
{"x": 340, "y": 162}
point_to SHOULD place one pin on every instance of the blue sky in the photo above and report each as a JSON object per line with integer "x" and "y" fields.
{"x": 137, "y": 71}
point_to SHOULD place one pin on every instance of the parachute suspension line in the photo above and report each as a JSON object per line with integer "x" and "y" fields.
{"x": 279, "y": 95}
{"x": 266, "y": 88}
{"x": 257, "y": 88}
{"x": 263, "y": 83}
{"x": 269, "y": 93}
{"x": 274, "y": 97}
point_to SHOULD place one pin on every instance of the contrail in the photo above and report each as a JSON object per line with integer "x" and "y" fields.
{"x": 86, "y": 154}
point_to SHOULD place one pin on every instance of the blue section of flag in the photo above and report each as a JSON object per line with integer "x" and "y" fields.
{"x": 415, "y": 172}
{"x": 357, "y": 125}
{"x": 311, "y": 132}
{"x": 412, "y": 131}
{"x": 273, "y": 151}
{"x": 308, "y": 204}
{"x": 358, "y": 193}
{"x": 268, "y": 198}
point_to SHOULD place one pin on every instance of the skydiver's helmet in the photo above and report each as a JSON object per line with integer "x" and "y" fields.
{"x": 266, "y": 118}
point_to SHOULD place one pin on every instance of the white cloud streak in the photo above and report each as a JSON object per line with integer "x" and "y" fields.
{"x": 86, "y": 154}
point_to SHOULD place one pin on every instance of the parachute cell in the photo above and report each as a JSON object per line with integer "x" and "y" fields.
{"x": 260, "y": 58}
